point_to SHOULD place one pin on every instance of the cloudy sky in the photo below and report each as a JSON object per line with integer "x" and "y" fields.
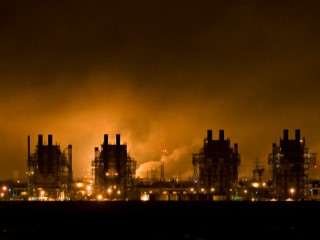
{"x": 160, "y": 73}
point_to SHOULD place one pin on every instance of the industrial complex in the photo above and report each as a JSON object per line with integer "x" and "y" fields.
{"x": 215, "y": 175}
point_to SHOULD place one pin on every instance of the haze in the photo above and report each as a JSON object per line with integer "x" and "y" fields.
{"x": 160, "y": 74}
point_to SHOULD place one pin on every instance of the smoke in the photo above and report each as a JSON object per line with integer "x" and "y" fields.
{"x": 158, "y": 75}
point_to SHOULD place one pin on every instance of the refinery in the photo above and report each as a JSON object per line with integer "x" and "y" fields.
{"x": 49, "y": 175}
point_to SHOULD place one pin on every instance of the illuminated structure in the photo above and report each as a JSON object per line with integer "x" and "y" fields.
{"x": 164, "y": 157}
{"x": 258, "y": 172}
{"x": 289, "y": 163}
{"x": 216, "y": 166}
{"x": 113, "y": 170}
{"x": 215, "y": 177}
{"x": 49, "y": 171}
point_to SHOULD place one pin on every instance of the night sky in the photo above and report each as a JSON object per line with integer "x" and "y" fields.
{"x": 160, "y": 73}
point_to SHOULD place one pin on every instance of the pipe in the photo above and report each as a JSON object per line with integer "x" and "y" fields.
{"x": 209, "y": 135}
{"x": 221, "y": 135}
{"x": 286, "y": 134}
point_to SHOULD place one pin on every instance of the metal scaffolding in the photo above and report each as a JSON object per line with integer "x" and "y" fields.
{"x": 113, "y": 169}
{"x": 216, "y": 166}
{"x": 49, "y": 170}
{"x": 289, "y": 163}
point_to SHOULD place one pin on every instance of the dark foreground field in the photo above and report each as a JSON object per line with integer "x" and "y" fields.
{"x": 159, "y": 220}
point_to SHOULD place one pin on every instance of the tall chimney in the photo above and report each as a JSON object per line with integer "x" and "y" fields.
{"x": 297, "y": 135}
{"x": 28, "y": 148}
{"x": 96, "y": 152}
{"x": 70, "y": 159}
{"x": 286, "y": 134}
{"x": 274, "y": 148}
{"x": 221, "y": 135}
{"x": 105, "y": 141}
{"x": 50, "y": 139}
{"x": 118, "y": 139}
{"x": 209, "y": 135}
{"x": 40, "y": 140}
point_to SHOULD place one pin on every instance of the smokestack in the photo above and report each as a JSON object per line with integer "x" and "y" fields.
{"x": 105, "y": 141}
{"x": 221, "y": 135}
{"x": 274, "y": 147}
{"x": 286, "y": 134}
{"x": 70, "y": 161}
{"x": 236, "y": 148}
{"x": 40, "y": 140}
{"x": 118, "y": 139}
{"x": 209, "y": 135}
{"x": 50, "y": 139}
{"x": 28, "y": 147}
{"x": 96, "y": 155}
{"x": 70, "y": 149}
{"x": 96, "y": 152}
{"x": 297, "y": 135}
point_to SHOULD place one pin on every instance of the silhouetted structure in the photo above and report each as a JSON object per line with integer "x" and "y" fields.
{"x": 258, "y": 172}
{"x": 113, "y": 170}
{"x": 164, "y": 157}
{"x": 216, "y": 166}
{"x": 49, "y": 170}
{"x": 289, "y": 162}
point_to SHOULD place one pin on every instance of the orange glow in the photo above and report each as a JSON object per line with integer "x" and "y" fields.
{"x": 159, "y": 81}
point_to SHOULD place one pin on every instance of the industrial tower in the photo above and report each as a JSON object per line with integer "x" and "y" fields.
{"x": 113, "y": 169}
{"x": 216, "y": 166}
{"x": 258, "y": 172}
{"x": 49, "y": 171}
{"x": 289, "y": 162}
{"x": 164, "y": 157}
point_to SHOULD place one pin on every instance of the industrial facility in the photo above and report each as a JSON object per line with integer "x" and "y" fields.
{"x": 49, "y": 171}
{"x": 113, "y": 170}
{"x": 290, "y": 162}
{"x": 216, "y": 166}
{"x": 215, "y": 174}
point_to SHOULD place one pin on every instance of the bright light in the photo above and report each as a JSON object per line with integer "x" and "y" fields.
{"x": 255, "y": 184}
{"x": 42, "y": 197}
{"x": 79, "y": 185}
{"x": 4, "y": 188}
{"x": 99, "y": 197}
{"x": 145, "y": 197}
{"x": 292, "y": 190}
